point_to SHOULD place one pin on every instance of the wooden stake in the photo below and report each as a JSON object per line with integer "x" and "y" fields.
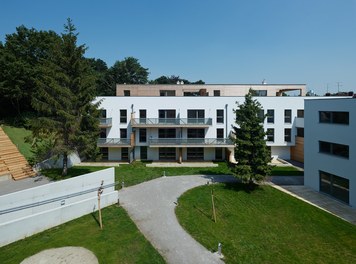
{"x": 100, "y": 191}
{"x": 212, "y": 199}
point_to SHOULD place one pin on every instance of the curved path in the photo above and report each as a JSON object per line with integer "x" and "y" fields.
{"x": 151, "y": 206}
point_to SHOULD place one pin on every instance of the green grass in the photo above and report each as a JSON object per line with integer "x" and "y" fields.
{"x": 17, "y": 136}
{"x": 137, "y": 172}
{"x": 119, "y": 242}
{"x": 265, "y": 226}
{"x": 286, "y": 171}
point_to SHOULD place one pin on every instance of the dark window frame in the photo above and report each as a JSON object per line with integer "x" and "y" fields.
{"x": 270, "y": 134}
{"x": 335, "y": 149}
{"x": 288, "y": 116}
{"x": 220, "y": 116}
{"x": 123, "y": 116}
{"x": 270, "y": 116}
{"x": 142, "y": 138}
{"x": 288, "y": 135}
{"x": 334, "y": 117}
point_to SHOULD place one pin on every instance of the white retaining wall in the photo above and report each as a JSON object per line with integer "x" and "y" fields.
{"x": 22, "y": 223}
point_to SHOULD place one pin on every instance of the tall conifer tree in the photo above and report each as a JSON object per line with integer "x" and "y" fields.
{"x": 251, "y": 152}
{"x": 65, "y": 91}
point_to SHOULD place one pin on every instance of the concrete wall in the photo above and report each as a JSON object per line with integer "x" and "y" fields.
{"x": 314, "y": 161}
{"x": 54, "y": 162}
{"x": 26, "y": 222}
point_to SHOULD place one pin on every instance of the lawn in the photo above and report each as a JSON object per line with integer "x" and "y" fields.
{"x": 17, "y": 136}
{"x": 119, "y": 242}
{"x": 265, "y": 226}
{"x": 286, "y": 171}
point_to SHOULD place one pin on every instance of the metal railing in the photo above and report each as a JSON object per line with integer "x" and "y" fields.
{"x": 190, "y": 141}
{"x": 113, "y": 141}
{"x": 172, "y": 121}
{"x": 105, "y": 121}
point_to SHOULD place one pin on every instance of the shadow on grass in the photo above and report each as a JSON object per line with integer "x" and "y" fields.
{"x": 244, "y": 187}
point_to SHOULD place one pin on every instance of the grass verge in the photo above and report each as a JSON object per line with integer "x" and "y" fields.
{"x": 286, "y": 171}
{"x": 265, "y": 226}
{"x": 17, "y": 136}
{"x": 119, "y": 242}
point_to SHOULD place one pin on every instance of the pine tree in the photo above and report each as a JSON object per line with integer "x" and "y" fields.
{"x": 251, "y": 152}
{"x": 63, "y": 99}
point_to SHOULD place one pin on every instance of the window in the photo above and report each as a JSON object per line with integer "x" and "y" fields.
{"x": 167, "y": 154}
{"x": 143, "y": 151}
{"x": 270, "y": 116}
{"x": 124, "y": 153}
{"x": 103, "y": 133}
{"x": 218, "y": 153}
{"x": 334, "y": 149}
{"x": 167, "y": 93}
{"x": 270, "y": 134}
{"x": 143, "y": 116}
{"x": 216, "y": 92}
{"x": 334, "y": 117}
{"x": 195, "y": 93}
{"x": 163, "y": 113}
{"x": 126, "y": 92}
{"x": 196, "y": 133}
{"x": 300, "y": 131}
{"x": 123, "y": 116}
{"x": 219, "y": 133}
{"x": 260, "y": 93}
{"x": 167, "y": 133}
{"x": 287, "y": 116}
{"x": 287, "y": 135}
{"x": 261, "y": 115}
{"x": 335, "y": 186}
{"x": 103, "y": 113}
{"x": 195, "y": 153}
{"x": 123, "y": 133}
{"x": 142, "y": 135}
{"x": 196, "y": 114}
{"x": 300, "y": 113}
{"x": 220, "y": 116}
{"x": 104, "y": 153}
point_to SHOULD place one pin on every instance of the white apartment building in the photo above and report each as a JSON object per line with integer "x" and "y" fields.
{"x": 188, "y": 128}
{"x": 330, "y": 147}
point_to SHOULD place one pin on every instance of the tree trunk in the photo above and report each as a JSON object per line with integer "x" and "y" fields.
{"x": 65, "y": 164}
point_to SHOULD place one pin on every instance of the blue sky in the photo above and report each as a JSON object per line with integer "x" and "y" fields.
{"x": 225, "y": 41}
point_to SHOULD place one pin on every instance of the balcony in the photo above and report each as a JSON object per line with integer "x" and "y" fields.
{"x": 105, "y": 122}
{"x": 113, "y": 142}
{"x": 190, "y": 142}
{"x": 171, "y": 122}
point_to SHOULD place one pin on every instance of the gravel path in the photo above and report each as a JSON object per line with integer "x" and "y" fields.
{"x": 151, "y": 206}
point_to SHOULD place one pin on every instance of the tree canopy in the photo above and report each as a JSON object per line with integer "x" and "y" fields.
{"x": 65, "y": 90}
{"x": 173, "y": 79}
{"x": 251, "y": 152}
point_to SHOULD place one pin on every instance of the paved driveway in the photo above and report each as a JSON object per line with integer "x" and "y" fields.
{"x": 151, "y": 206}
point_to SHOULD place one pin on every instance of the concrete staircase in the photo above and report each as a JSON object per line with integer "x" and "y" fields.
{"x": 11, "y": 160}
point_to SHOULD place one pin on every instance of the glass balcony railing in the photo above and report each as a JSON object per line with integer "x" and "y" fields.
{"x": 191, "y": 141}
{"x": 171, "y": 121}
{"x": 105, "y": 122}
{"x": 102, "y": 142}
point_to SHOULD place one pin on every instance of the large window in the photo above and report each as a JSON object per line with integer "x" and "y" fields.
{"x": 334, "y": 149}
{"x": 167, "y": 154}
{"x": 218, "y": 153}
{"x": 219, "y": 133}
{"x": 124, "y": 154}
{"x": 287, "y": 135}
{"x": 143, "y": 153}
{"x": 300, "y": 131}
{"x": 334, "y": 117}
{"x": 196, "y": 113}
{"x": 142, "y": 135}
{"x": 270, "y": 116}
{"x": 270, "y": 134}
{"x": 123, "y": 116}
{"x": 335, "y": 186}
{"x": 260, "y": 92}
{"x": 287, "y": 116}
{"x": 196, "y": 133}
{"x": 127, "y": 93}
{"x": 220, "y": 116}
{"x": 261, "y": 115}
{"x": 143, "y": 116}
{"x": 103, "y": 113}
{"x": 163, "y": 113}
{"x": 167, "y": 93}
{"x": 216, "y": 92}
{"x": 123, "y": 133}
{"x": 300, "y": 113}
{"x": 103, "y": 133}
{"x": 167, "y": 133}
{"x": 104, "y": 153}
{"x": 195, "y": 154}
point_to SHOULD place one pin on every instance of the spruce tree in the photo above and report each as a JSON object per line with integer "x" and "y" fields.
{"x": 63, "y": 99}
{"x": 251, "y": 152}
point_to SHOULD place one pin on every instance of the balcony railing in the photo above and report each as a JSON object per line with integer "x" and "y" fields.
{"x": 113, "y": 142}
{"x": 152, "y": 122}
{"x": 191, "y": 142}
{"x": 105, "y": 122}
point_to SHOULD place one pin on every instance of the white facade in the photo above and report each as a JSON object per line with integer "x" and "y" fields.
{"x": 132, "y": 105}
{"x": 330, "y": 147}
